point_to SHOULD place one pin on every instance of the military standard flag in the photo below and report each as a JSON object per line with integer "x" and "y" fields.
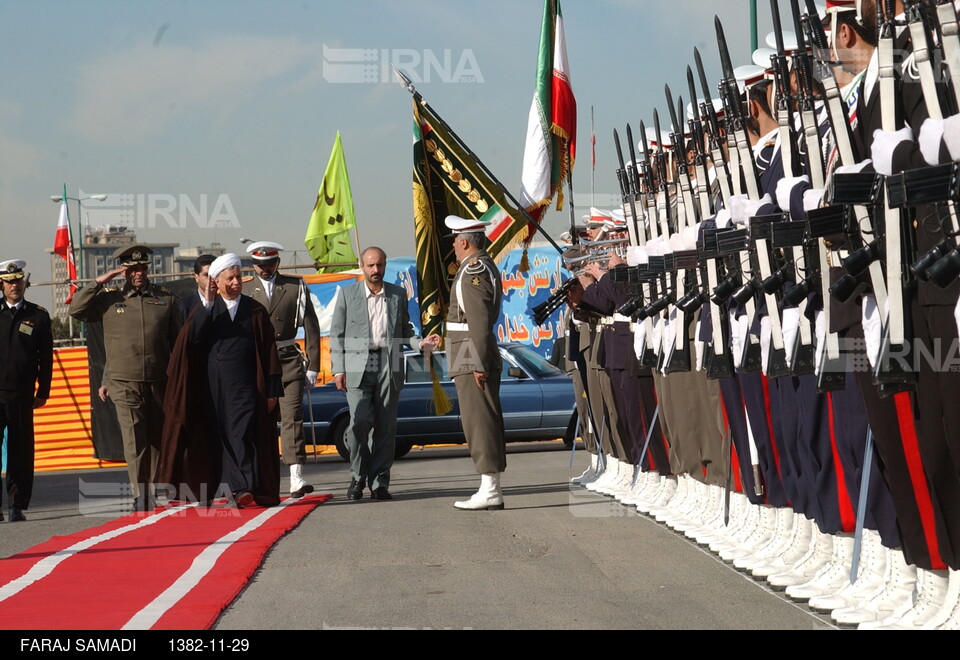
{"x": 63, "y": 245}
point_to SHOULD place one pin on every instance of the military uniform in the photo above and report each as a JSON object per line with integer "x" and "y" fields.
{"x": 26, "y": 367}
{"x": 290, "y": 308}
{"x": 140, "y": 327}
{"x": 471, "y": 346}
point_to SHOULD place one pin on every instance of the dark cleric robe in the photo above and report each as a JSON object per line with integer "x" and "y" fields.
{"x": 217, "y": 429}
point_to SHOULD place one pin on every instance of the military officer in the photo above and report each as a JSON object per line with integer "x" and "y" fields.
{"x": 140, "y": 325}
{"x": 288, "y": 301}
{"x": 26, "y": 367}
{"x": 474, "y": 358}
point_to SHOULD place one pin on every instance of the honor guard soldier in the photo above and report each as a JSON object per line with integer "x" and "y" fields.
{"x": 26, "y": 367}
{"x": 288, "y": 301}
{"x": 474, "y": 358}
{"x": 140, "y": 325}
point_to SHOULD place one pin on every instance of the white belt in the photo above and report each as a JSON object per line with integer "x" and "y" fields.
{"x": 605, "y": 320}
{"x": 458, "y": 327}
{"x": 620, "y": 318}
{"x": 284, "y": 343}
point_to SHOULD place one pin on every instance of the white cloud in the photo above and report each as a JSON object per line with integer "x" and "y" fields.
{"x": 140, "y": 91}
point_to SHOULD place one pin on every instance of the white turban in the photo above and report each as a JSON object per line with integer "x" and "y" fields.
{"x": 222, "y": 263}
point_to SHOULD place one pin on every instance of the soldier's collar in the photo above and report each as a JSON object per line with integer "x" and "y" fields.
{"x": 128, "y": 290}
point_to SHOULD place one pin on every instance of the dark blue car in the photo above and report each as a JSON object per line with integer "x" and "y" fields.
{"x": 537, "y": 399}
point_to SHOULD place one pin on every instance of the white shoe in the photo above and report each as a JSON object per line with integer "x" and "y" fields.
{"x": 488, "y": 498}
{"x": 832, "y": 577}
{"x": 947, "y": 617}
{"x": 818, "y": 555}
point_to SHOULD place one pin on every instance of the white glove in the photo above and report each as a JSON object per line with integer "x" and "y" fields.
{"x": 813, "y": 198}
{"x": 657, "y": 333}
{"x": 639, "y": 339}
{"x": 690, "y": 236}
{"x": 310, "y": 379}
{"x": 852, "y": 169}
{"x": 738, "y": 214}
{"x": 884, "y": 144}
{"x": 765, "y": 341}
{"x": 785, "y": 189}
{"x": 723, "y": 218}
{"x": 699, "y": 346}
{"x": 636, "y": 255}
{"x": 951, "y": 135}
{"x": 791, "y": 325}
{"x": 931, "y": 135}
{"x": 872, "y": 331}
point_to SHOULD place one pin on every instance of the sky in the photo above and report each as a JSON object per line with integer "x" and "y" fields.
{"x": 211, "y": 121}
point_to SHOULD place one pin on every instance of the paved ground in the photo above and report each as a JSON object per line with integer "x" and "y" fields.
{"x": 556, "y": 558}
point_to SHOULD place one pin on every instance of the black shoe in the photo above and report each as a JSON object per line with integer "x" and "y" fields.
{"x": 306, "y": 489}
{"x": 1, "y": 516}
{"x": 381, "y": 494}
{"x": 16, "y": 514}
{"x": 355, "y": 490}
{"x": 244, "y": 498}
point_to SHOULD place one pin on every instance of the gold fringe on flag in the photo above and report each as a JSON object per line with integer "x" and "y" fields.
{"x": 441, "y": 402}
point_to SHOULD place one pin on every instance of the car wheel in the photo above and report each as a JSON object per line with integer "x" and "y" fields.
{"x": 402, "y": 449}
{"x": 339, "y": 433}
{"x": 571, "y": 435}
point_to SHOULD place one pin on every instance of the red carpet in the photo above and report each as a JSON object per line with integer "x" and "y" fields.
{"x": 174, "y": 569}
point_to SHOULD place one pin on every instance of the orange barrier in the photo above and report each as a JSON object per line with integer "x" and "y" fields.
{"x": 62, "y": 435}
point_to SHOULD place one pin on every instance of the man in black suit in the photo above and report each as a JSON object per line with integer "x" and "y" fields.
{"x": 26, "y": 368}
{"x": 201, "y": 273}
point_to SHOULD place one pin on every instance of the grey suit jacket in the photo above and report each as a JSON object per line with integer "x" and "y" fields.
{"x": 350, "y": 333}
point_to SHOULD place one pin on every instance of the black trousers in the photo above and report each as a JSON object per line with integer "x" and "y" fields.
{"x": 16, "y": 417}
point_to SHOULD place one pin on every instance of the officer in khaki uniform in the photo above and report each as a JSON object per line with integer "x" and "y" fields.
{"x": 288, "y": 301}
{"x": 140, "y": 325}
{"x": 474, "y": 359}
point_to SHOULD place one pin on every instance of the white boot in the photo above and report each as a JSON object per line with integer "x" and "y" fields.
{"x": 487, "y": 498}
{"x": 896, "y": 588}
{"x": 931, "y": 592}
{"x": 588, "y": 474}
{"x": 834, "y": 575}
{"x": 950, "y": 608}
{"x": 818, "y": 555}
{"x": 298, "y": 487}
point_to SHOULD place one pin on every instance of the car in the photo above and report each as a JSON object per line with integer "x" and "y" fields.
{"x": 537, "y": 399}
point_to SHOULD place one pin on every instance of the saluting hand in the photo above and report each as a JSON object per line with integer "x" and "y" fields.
{"x": 108, "y": 276}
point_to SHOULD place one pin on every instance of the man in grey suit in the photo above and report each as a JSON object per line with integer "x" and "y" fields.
{"x": 370, "y": 323}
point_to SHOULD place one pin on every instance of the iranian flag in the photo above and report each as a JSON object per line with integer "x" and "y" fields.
{"x": 552, "y": 126}
{"x": 63, "y": 245}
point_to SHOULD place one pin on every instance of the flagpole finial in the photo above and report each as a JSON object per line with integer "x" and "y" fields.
{"x": 405, "y": 81}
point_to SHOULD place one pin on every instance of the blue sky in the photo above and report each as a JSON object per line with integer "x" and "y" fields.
{"x": 234, "y": 101}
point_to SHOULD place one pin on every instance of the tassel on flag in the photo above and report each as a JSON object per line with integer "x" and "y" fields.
{"x": 63, "y": 245}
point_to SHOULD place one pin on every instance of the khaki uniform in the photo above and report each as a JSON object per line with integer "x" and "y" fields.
{"x": 139, "y": 330}
{"x": 290, "y": 308}
{"x": 471, "y": 346}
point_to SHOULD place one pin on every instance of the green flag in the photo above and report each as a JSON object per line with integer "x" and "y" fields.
{"x": 328, "y": 234}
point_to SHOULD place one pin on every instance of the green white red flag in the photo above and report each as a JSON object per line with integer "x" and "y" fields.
{"x": 550, "y": 149}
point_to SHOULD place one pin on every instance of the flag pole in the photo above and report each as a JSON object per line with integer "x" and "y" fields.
{"x": 526, "y": 215}
{"x": 593, "y": 161}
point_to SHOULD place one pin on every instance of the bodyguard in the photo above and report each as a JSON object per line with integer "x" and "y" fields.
{"x": 288, "y": 301}
{"x": 26, "y": 367}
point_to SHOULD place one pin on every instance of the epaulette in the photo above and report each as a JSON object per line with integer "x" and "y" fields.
{"x": 475, "y": 267}
{"x": 162, "y": 290}
{"x": 111, "y": 289}
{"x": 42, "y": 308}
{"x": 246, "y": 278}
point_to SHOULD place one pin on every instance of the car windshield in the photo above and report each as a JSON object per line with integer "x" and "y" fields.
{"x": 533, "y": 362}
{"x": 419, "y": 372}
